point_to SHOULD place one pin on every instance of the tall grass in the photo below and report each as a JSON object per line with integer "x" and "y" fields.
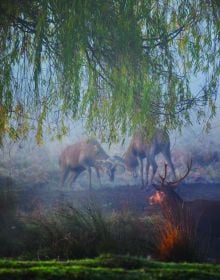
{"x": 133, "y": 234}
{"x": 66, "y": 232}
{"x": 70, "y": 232}
{"x": 177, "y": 235}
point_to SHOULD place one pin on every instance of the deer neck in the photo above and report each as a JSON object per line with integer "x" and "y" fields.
{"x": 130, "y": 159}
{"x": 172, "y": 200}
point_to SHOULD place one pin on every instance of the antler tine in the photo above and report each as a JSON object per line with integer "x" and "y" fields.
{"x": 163, "y": 178}
{"x": 175, "y": 183}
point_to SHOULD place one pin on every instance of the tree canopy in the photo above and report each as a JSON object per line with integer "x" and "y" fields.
{"x": 119, "y": 65}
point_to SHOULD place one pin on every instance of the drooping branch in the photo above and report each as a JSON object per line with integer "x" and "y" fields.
{"x": 135, "y": 61}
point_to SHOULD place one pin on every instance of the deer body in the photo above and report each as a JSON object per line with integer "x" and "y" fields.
{"x": 82, "y": 156}
{"x": 141, "y": 148}
{"x": 204, "y": 214}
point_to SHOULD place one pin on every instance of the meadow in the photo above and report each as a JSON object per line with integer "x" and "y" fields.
{"x": 110, "y": 232}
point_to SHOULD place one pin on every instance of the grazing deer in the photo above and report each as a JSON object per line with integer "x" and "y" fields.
{"x": 141, "y": 148}
{"x": 203, "y": 213}
{"x": 85, "y": 155}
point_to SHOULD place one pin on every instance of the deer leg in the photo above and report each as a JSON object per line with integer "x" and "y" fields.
{"x": 167, "y": 156}
{"x": 64, "y": 175}
{"x": 98, "y": 176}
{"x": 142, "y": 175}
{"x": 154, "y": 167}
{"x": 151, "y": 161}
{"x": 75, "y": 175}
{"x": 90, "y": 177}
{"x": 147, "y": 171}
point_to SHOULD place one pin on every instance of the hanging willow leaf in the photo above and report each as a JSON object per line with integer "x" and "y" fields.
{"x": 117, "y": 65}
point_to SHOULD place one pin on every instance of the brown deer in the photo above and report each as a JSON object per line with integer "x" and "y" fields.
{"x": 85, "y": 155}
{"x": 203, "y": 213}
{"x": 141, "y": 148}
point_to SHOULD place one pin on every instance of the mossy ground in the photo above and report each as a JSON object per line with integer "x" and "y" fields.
{"x": 107, "y": 267}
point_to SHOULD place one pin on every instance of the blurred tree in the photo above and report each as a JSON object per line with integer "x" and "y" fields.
{"x": 118, "y": 64}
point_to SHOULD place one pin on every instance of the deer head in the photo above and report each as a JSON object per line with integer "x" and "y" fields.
{"x": 165, "y": 191}
{"x": 109, "y": 166}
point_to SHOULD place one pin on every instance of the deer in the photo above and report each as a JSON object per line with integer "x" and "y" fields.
{"x": 204, "y": 214}
{"x": 85, "y": 155}
{"x": 140, "y": 148}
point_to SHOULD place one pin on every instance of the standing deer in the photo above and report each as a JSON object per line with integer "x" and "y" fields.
{"x": 204, "y": 214}
{"x": 85, "y": 155}
{"x": 141, "y": 148}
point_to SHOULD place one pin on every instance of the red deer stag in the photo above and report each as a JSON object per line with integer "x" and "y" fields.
{"x": 141, "y": 148}
{"x": 85, "y": 155}
{"x": 203, "y": 213}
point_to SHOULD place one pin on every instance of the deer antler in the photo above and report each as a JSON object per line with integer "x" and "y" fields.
{"x": 176, "y": 183}
{"x": 173, "y": 183}
{"x": 163, "y": 178}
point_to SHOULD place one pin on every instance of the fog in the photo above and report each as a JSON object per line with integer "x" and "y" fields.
{"x": 34, "y": 183}
{"x": 27, "y": 162}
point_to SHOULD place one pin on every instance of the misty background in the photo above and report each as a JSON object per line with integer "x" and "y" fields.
{"x": 25, "y": 161}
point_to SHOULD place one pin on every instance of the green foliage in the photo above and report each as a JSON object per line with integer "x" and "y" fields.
{"x": 119, "y": 65}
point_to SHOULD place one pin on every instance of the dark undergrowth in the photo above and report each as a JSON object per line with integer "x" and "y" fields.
{"x": 65, "y": 231}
